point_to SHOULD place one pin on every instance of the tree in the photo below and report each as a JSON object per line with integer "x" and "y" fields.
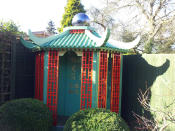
{"x": 72, "y": 8}
{"x": 150, "y": 18}
{"x": 9, "y": 26}
{"x": 51, "y": 27}
{"x": 157, "y": 13}
{"x": 101, "y": 18}
{"x": 155, "y": 16}
{"x": 167, "y": 40}
{"x": 105, "y": 16}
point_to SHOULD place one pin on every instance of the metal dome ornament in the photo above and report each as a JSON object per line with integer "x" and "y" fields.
{"x": 80, "y": 19}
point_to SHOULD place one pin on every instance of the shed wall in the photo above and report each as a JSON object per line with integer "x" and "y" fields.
{"x": 25, "y": 72}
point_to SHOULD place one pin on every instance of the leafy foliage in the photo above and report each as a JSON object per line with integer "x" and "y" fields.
{"x": 9, "y": 26}
{"x": 72, "y": 8}
{"x": 96, "y": 120}
{"x": 25, "y": 115}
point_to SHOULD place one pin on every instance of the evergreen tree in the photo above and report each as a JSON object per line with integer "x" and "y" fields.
{"x": 51, "y": 27}
{"x": 72, "y": 8}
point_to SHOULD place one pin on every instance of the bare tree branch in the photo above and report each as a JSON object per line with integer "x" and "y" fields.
{"x": 158, "y": 14}
{"x": 161, "y": 3}
{"x": 152, "y": 3}
{"x": 153, "y": 124}
{"x": 166, "y": 15}
{"x": 139, "y": 5}
{"x": 144, "y": 123}
{"x": 100, "y": 24}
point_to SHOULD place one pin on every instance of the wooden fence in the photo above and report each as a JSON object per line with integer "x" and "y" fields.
{"x": 6, "y": 66}
{"x": 16, "y": 69}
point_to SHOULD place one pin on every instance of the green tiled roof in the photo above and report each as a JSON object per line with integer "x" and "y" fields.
{"x": 87, "y": 38}
{"x": 73, "y": 40}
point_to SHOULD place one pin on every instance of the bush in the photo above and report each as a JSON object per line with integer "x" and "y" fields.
{"x": 25, "y": 115}
{"x": 95, "y": 120}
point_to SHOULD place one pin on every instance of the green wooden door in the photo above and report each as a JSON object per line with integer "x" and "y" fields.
{"x": 69, "y": 84}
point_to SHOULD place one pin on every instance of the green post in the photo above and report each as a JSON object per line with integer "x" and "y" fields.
{"x": 95, "y": 80}
{"x": 45, "y": 77}
{"x": 121, "y": 71}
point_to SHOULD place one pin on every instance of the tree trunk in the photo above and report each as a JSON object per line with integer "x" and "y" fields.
{"x": 149, "y": 45}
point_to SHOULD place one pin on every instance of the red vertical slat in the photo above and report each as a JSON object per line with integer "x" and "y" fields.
{"x": 102, "y": 87}
{"x": 39, "y": 68}
{"x": 86, "y": 80}
{"x": 52, "y": 87}
{"x": 115, "y": 83}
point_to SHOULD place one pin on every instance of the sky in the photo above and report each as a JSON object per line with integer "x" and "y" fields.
{"x": 35, "y": 14}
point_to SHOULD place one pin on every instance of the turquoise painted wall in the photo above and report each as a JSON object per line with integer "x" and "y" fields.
{"x": 69, "y": 84}
{"x": 95, "y": 80}
{"x": 45, "y": 77}
{"x": 109, "y": 82}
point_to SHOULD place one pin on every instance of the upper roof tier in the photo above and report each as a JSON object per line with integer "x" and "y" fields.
{"x": 78, "y": 37}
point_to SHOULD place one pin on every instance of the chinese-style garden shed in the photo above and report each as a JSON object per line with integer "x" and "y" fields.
{"x": 78, "y": 69}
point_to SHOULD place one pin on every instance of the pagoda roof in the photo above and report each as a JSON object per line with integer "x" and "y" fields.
{"x": 75, "y": 37}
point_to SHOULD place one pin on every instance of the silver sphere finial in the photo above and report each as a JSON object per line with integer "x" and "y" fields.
{"x": 80, "y": 19}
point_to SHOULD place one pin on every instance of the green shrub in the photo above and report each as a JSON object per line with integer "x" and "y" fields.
{"x": 95, "y": 120}
{"x": 25, "y": 115}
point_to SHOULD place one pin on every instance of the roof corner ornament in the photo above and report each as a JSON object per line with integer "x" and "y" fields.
{"x": 124, "y": 45}
{"x": 29, "y": 44}
{"x": 100, "y": 41}
{"x": 38, "y": 40}
{"x": 106, "y": 35}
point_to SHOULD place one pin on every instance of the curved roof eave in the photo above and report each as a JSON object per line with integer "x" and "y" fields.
{"x": 40, "y": 41}
{"x": 99, "y": 41}
{"x": 29, "y": 45}
{"x": 123, "y": 45}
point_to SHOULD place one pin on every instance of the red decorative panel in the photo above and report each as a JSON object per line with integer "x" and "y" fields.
{"x": 39, "y": 75}
{"x": 77, "y": 31}
{"x": 52, "y": 87}
{"x": 102, "y": 86}
{"x": 86, "y": 80}
{"x": 115, "y": 83}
